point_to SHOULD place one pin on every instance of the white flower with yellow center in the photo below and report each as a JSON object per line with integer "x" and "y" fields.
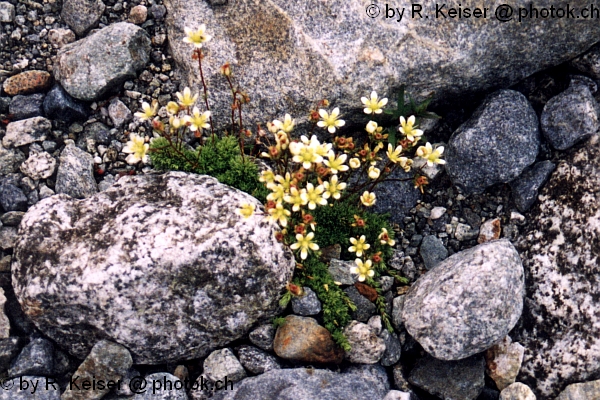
{"x": 336, "y": 164}
{"x": 197, "y": 121}
{"x": 368, "y": 199}
{"x": 287, "y": 125}
{"x": 362, "y": 269}
{"x": 432, "y": 156}
{"x": 172, "y": 108}
{"x": 373, "y": 172}
{"x": 297, "y": 198}
{"x": 394, "y": 154}
{"x": 384, "y": 238}
{"x": 354, "y": 163}
{"x": 373, "y": 105}
{"x": 304, "y": 243}
{"x": 277, "y": 193}
{"x": 149, "y": 111}
{"x": 285, "y": 181}
{"x": 330, "y": 121}
{"x": 314, "y": 196}
{"x": 408, "y": 128}
{"x": 267, "y": 177}
{"x": 196, "y": 37}
{"x": 372, "y": 127}
{"x": 186, "y": 99}
{"x": 279, "y": 214}
{"x": 405, "y": 163}
{"x": 246, "y": 210}
{"x": 305, "y": 155}
{"x": 333, "y": 188}
{"x": 359, "y": 246}
{"x": 137, "y": 147}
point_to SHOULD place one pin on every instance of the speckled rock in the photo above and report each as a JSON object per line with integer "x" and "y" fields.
{"x": 589, "y": 63}
{"x": 35, "y": 359}
{"x": 9, "y": 350}
{"x": 526, "y": 187}
{"x": 397, "y": 395}
{"x": 489, "y": 230}
{"x": 114, "y": 54}
{"x": 10, "y": 160}
{"x": 366, "y": 347}
{"x": 223, "y": 363}
{"x": 263, "y": 337}
{"x": 256, "y": 361}
{"x": 503, "y": 362}
{"x": 432, "y": 251}
{"x": 517, "y": 391}
{"x": 304, "y": 384}
{"x": 307, "y": 304}
{"x": 39, "y": 165}
{"x": 27, "y": 82}
{"x": 21, "y": 389}
{"x": 168, "y": 250}
{"x": 138, "y": 14}
{"x": 60, "y": 37}
{"x": 12, "y": 198}
{"x": 560, "y": 250}
{"x": 161, "y": 386}
{"x": 60, "y": 105}
{"x": 581, "y": 391}
{"x": 495, "y": 145}
{"x": 119, "y": 113}
{"x": 467, "y": 303}
{"x": 26, "y": 131}
{"x": 340, "y": 272}
{"x": 75, "y": 175}
{"x": 107, "y": 361}
{"x": 570, "y": 117}
{"x": 82, "y": 15}
{"x": 393, "y": 348}
{"x": 334, "y": 50}
{"x": 303, "y": 339}
{"x": 7, "y": 12}
{"x": 4, "y": 322}
{"x": 364, "y": 308}
{"x": 396, "y": 197}
{"x": 450, "y": 380}
{"x": 23, "y": 107}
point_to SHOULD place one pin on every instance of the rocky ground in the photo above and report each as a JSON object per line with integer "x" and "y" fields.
{"x": 53, "y": 143}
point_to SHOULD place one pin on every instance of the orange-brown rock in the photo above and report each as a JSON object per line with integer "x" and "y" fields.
{"x": 27, "y": 82}
{"x": 303, "y": 339}
{"x": 367, "y": 291}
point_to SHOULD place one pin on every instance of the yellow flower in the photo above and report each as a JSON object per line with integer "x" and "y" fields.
{"x": 149, "y": 111}
{"x": 186, "y": 99}
{"x": 246, "y": 210}
{"x": 196, "y": 37}
{"x": 354, "y": 163}
{"x": 373, "y": 172}
{"x": 296, "y": 198}
{"x": 172, "y": 107}
{"x": 137, "y": 147}
{"x": 359, "y": 246}
{"x": 277, "y": 193}
{"x": 304, "y": 154}
{"x": 279, "y": 214}
{"x": 432, "y": 156}
{"x": 314, "y": 196}
{"x": 336, "y": 164}
{"x": 393, "y": 155}
{"x": 304, "y": 243}
{"x": 408, "y": 128}
{"x": 197, "y": 121}
{"x": 373, "y": 105}
{"x": 368, "y": 199}
{"x": 384, "y": 238}
{"x": 287, "y": 125}
{"x": 285, "y": 181}
{"x": 267, "y": 176}
{"x": 362, "y": 269}
{"x": 330, "y": 121}
{"x": 333, "y": 188}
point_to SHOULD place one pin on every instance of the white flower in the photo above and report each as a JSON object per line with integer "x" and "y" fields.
{"x": 330, "y": 121}
{"x": 138, "y": 148}
{"x": 373, "y": 105}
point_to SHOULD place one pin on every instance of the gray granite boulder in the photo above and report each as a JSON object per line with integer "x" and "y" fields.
{"x": 90, "y": 67}
{"x": 39, "y": 165}
{"x": 304, "y": 384}
{"x": 75, "y": 175}
{"x": 468, "y": 302}
{"x": 581, "y": 391}
{"x": 450, "y": 380}
{"x": 290, "y": 54}
{"x": 150, "y": 253}
{"x": 589, "y": 63}
{"x": 560, "y": 251}
{"x": 495, "y": 145}
{"x": 29, "y": 388}
{"x": 35, "y": 359}
{"x": 82, "y": 15}
{"x": 571, "y": 116}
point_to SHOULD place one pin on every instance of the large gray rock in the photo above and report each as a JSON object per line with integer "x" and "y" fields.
{"x": 495, "y": 145}
{"x": 304, "y": 384}
{"x": 560, "y": 252}
{"x": 289, "y": 54}
{"x": 82, "y": 15}
{"x": 468, "y": 302}
{"x": 75, "y": 175}
{"x": 581, "y": 391}
{"x": 571, "y": 116}
{"x": 29, "y": 388}
{"x": 148, "y": 254}
{"x": 90, "y": 67}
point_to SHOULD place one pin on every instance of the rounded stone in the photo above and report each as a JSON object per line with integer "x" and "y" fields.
{"x": 161, "y": 264}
